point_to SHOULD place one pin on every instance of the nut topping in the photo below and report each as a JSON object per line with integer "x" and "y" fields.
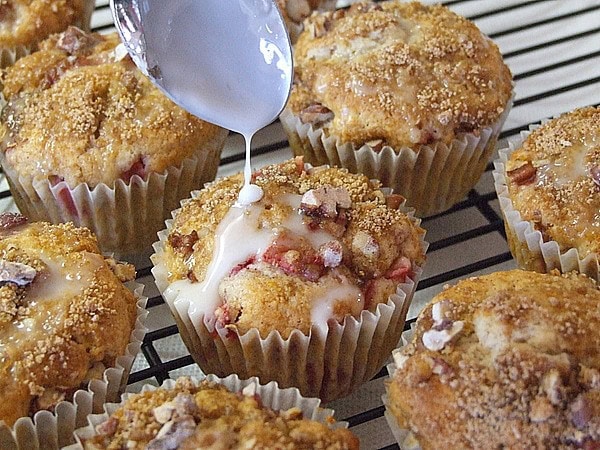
{"x": 523, "y": 175}
{"x": 581, "y": 412}
{"x": 316, "y": 115}
{"x": 443, "y": 329}
{"x": 173, "y": 433}
{"x": 324, "y": 201}
{"x": 553, "y": 387}
{"x": 332, "y": 253}
{"x": 14, "y": 272}
{"x": 595, "y": 173}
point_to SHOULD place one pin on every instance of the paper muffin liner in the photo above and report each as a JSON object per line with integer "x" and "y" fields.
{"x": 9, "y": 55}
{"x": 432, "y": 177}
{"x": 328, "y": 363}
{"x": 271, "y": 395}
{"x": 126, "y": 217}
{"x": 527, "y": 244}
{"x": 49, "y": 431}
{"x": 404, "y": 437}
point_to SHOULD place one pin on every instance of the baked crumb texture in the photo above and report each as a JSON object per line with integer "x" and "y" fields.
{"x": 507, "y": 360}
{"x": 80, "y": 111}
{"x": 207, "y": 415}
{"x": 397, "y": 74}
{"x": 553, "y": 180}
{"x": 367, "y": 247}
{"x": 65, "y": 315}
{"x": 27, "y": 22}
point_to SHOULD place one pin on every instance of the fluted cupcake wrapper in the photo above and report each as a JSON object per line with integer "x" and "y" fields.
{"x": 404, "y": 437}
{"x": 432, "y": 178}
{"x": 270, "y": 394}
{"x": 53, "y": 430}
{"x": 9, "y": 55}
{"x": 328, "y": 363}
{"x": 527, "y": 244}
{"x": 126, "y": 217}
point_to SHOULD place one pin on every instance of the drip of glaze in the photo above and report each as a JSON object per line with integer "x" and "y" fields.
{"x": 227, "y": 62}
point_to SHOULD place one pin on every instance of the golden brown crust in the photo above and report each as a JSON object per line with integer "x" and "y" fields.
{"x": 66, "y": 325}
{"x": 397, "y": 73}
{"x": 27, "y": 22}
{"x": 522, "y": 372}
{"x": 374, "y": 247}
{"x": 234, "y": 420}
{"x": 553, "y": 180}
{"x": 79, "y": 110}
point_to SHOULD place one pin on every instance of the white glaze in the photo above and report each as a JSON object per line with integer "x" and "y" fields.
{"x": 50, "y": 293}
{"x": 332, "y": 292}
{"x": 238, "y": 238}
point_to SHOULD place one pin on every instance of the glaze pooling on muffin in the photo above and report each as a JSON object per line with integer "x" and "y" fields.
{"x": 553, "y": 180}
{"x": 64, "y": 314}
{"x": 319, "y": 245}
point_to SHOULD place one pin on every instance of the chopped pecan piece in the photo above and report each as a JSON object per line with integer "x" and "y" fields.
{"x": 523, "y": 175}
{"x": 173, "y": 433}
{"x": 316, "y": 115}
{"x": 298, "y": 10}
{"x": 595, "y": 173}
{"x": 108, "y": 427}
{"x": 332, "y": 253}
{"x": 325, "y": 201}
{"x": 581, "y": 412}
{"x": 7, "y": 12}
{"x": 540, "y": 409}
{"x": 75, "y": 41}
{"x": 183, "y": 243}
{"x": 17, "y": 273}
{"x": 10, "y": 220}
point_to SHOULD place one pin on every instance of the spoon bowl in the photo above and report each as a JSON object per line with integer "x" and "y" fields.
{"x": 227, "y": 62}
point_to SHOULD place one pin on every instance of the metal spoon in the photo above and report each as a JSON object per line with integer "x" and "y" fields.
{"x": 226, "y": 61}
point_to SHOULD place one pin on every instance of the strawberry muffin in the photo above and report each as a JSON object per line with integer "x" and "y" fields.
{"x": 325, "y": 256}
{"x": 506, "y": 360}
{"x": 89, "y": 139}
{"x": 190, "y": 414}
{"x": 409, "y": 94}
{"x": 25, "y": 23}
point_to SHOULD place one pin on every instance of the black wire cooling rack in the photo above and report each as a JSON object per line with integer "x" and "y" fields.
{"x": 553, "y": 49}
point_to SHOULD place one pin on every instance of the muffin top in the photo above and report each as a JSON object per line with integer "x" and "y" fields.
{"x": 398, "y": 74}
{"x": 26, "y": 22}
{"x": 321, "y": 244}
{"x": 553, "y": 180}
{"x": 191, "y": 416}
{"x": 65, "y": 314}
{"x": 507, "y": 360}
{"x": 80, "y": 111}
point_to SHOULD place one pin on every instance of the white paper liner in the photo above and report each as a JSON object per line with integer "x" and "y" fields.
{"x": 125, "y": 218}
{"x": 9, "y": 55}
{"x": 432, "y": 178}
{"x": 271, "y": 395}
{"x": 55, "y": 430}
{"x": 328, "y": 363}
{"x": 526, "y": 243}
{"x": 404, "y": 437}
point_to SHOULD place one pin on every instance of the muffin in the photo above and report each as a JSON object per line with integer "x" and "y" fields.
{"x": 548, "y": 181}
{"x": 412, "y": 95}
{"x": 89, "y": 139}
{"x": 66, "y": 317}
{"x": 191, "y": 414}
{"x": 506, "y": 360}
{"x": 308, "y": 287}
{"x": 295, "y": 11}
{"x": 25, "y": 23}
